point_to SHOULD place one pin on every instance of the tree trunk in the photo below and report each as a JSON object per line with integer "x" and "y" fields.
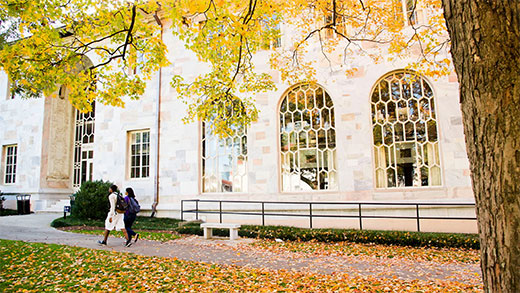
{"x": 485, "y": 42}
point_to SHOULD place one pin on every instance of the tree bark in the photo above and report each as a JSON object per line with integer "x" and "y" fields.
{"x": 485, "y": 42}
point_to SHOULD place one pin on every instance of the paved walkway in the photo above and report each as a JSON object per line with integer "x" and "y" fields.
{"x": 35, "y": 228}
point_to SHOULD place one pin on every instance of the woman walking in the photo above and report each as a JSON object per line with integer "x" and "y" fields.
{"x": 114, "y": 220}
{"x": 131, "y": 213}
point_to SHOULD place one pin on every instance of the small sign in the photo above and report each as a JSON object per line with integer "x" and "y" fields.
{"x": 66, "y": 209}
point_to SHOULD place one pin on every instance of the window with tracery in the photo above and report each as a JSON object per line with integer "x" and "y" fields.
{"x": 84, "y": 146}
{"x": 405, "y": 132}
{"x": 308, "y": 139}
{"x": 224, "y": 161}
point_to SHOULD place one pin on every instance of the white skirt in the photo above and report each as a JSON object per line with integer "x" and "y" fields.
{"x": 116, "y": 224}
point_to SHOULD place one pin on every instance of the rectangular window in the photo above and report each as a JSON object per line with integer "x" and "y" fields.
{"x": 10, "y": 94}
{"x": 139, "y": 154}
{"x": 410, "y": 11}
{"x": 224, "y": 161}
{"x": 272, "y": 36}
{"x": 339, "y": 30}
{"x": 10, "y": 161}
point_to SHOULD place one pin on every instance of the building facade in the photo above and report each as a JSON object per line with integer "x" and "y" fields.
{"x": 383, "y": 134}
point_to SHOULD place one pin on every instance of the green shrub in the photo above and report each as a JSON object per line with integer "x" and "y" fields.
{"x": 72, "y": 221}
{"x": 6, "y": 212}
{"x": 141, "y": 223}
{"x": 92, "y": 200}
{"x": 402, "y": 238}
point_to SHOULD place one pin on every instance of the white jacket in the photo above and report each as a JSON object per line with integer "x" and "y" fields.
{"x": 112, "y": 198}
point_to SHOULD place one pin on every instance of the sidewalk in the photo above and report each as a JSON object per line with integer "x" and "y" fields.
{"x": 35, "y": 228}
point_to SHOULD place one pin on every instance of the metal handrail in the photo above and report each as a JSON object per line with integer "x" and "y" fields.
{"x": 312, "y": 213}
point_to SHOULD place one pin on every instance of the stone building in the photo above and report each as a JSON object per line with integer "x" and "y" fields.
{"x": 384, "y": 134}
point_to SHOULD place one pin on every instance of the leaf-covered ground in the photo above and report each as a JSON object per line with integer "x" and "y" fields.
{"x": 51, "y": 267}
{"x": 441, "y": 255}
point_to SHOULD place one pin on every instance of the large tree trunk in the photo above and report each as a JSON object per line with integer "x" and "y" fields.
{"x": 485, "y": 41}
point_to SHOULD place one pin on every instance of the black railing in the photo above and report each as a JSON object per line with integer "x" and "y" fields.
{"x": 312, "y": 213}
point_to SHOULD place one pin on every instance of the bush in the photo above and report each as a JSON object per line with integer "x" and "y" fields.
{"x": 72, "y": 221}
{"x": 141, "y": 223}
{"x": 402, "y": 238}
{"x": 91, "y": 200}
{"x": 7, "y": 212}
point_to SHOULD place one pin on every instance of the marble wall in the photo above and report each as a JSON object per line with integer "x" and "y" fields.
{"x": 43, "y": 168}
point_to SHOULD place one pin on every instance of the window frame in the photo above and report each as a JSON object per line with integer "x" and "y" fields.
{"x": 407, "y": 12}
{"x": 440, "y": 161}
{"x": 141, "y": 155}
{"x": 12, "y": 164}
{"x": 202, "y": 158}
{"x": 334, "y": 150}
{"x": 10, "y": 96}
{"x": 84, "y": 129}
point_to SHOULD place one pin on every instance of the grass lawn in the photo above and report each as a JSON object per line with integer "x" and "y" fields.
{"x": 49, "y": 267}
{"x": 156, "y": 236}
{"x": 141, "y": 223}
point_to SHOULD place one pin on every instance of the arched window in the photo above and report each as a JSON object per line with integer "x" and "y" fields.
{"x": 224, "y": 161}
{"x": 406, "y": 144}
{"x": 308, "y": 139}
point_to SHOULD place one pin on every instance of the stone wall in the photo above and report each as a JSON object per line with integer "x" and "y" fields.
{"x": 44, "y": 168}
{"x": 21, "y": 123}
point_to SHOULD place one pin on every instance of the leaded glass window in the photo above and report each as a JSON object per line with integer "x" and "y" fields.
{"x": 140, "y": 154}
{"x": 84, "y": 146}
{"x": 224, "y": 161}
{"x": 10, "y": 161}
{"x": 308, "y": 139}
{"x": 405, "y": 132}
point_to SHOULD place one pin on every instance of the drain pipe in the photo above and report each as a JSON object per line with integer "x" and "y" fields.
{"x": 158, "y": 129}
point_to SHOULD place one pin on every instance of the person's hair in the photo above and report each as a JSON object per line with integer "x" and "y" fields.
{"x": 130, "y": 192}
{"x": 113, "y": 188}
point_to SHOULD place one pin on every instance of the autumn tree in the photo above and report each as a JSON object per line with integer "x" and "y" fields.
{"x": 91, "y": 47}
{"x": 54, "y": 37}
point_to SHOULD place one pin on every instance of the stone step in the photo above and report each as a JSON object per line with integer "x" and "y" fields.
{"x": 57, "y": 206}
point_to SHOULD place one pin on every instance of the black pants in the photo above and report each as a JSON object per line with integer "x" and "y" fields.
{"x": 129, "y": 221}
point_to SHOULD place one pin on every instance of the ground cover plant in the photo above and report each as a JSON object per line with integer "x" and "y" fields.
{"x": 155, "y": 236}
{"x": 50, "y": 267}
{"x": 142, "y": 223}
{"x": 7, "y": 212}
{"x": 403, "y": 238}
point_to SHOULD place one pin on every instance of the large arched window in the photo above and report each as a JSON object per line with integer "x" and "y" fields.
{"x": 406, "y": 144}
{"x": 224, "y": 161}
{"x": 308, "y": 139}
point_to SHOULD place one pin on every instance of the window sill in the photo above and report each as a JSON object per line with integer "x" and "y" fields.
{"x": 411, "y": 188}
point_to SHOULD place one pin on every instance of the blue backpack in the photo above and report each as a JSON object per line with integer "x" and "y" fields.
{"x": 133, "y": 206}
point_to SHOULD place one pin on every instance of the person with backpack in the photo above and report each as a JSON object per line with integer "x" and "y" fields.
{"x": 131, "y": 213}
{"x": 115, "y": 220}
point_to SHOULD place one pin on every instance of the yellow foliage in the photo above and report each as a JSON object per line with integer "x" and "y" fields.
{"x": 124, "y": 46}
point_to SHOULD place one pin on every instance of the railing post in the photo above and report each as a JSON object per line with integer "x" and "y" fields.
{"x": 417, "y": 213}
{"x": 182, "y": 210}
{"x": 220, "y": 208}
{"x": 360, "y": 218}
{"x": 310, "y": 214}
{"x": 263, "y": 215}
{"x": 197, "y": 209}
